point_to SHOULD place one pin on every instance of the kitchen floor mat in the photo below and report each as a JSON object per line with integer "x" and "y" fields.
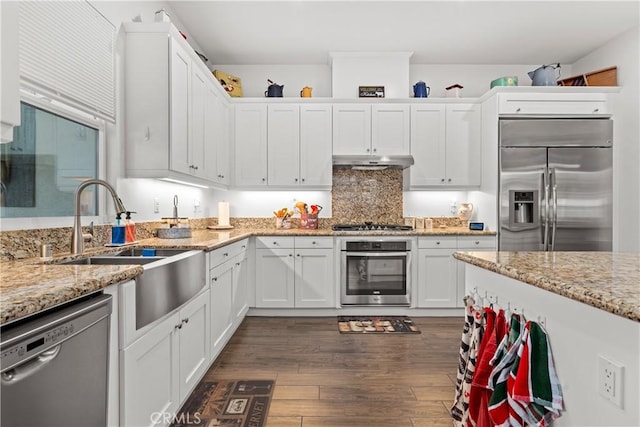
{"x": 377, "y": 325}
{"x": 238, "y": 403}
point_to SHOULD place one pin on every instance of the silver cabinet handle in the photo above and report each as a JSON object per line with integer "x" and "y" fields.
{"x": 298, "y": 255}
{"x": 477, "y": 243}
{"x": 295, "y": 180}
{"x": 449, "y": 180}
{"x": 185, "y": 320}
{"x": 368, "y": 149}
{"x": 302, "y": 179}
{"x": 596, "y": 110}
{"x": 517, "y": 110}
{"x": 178, "y": 326}
{"x": 442, "y": 180}
{"x": 437, "y": 243}
{"x": 214, "y": 279}
{"x": 375, "y": 150}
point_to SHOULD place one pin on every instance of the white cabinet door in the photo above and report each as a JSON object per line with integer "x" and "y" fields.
{"x": 352, "y": 129}
{"x": 151, "y": 382}
{"x": 463, "y": 144}
{"x": 314, "y": 281}
{"x": 315, "y": 145}
{"x": 240, "y": 294}
{"x": 197, "y": 120}
{"x": 222, "y": 119}
{"x": 283, "y": 142}
{"x": 9, "y": 76}
{"x": 180, "y": 89}
{"x": 515, "y": 104}
{"x": 437, "y": 274}
{"x": 221, "y": 306}
{"x": 251, "y": 145}
{"x": 428, "y": 144}
{"x": 390, "y": 129}
{"x": 195, "y": 342}
{"x": 274, "y": 278}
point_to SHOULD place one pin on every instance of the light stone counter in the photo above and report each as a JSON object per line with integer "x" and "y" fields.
{"x": 609, "y": 281}
{"x": 30, "y": 285}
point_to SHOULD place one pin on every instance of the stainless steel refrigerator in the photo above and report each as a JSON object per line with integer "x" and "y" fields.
{"x": 555, "y": 185}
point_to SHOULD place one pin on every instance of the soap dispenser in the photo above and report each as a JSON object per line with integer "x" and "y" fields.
{"x": 130, "y": 228}
{"x": 118, "y": 231}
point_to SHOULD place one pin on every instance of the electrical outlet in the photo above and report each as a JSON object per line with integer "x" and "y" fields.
{"x": 196, "y": 205}
{"x": 156, "y": 205}
{"x": 610, "y": 380}
{"x": 453, "y": 207}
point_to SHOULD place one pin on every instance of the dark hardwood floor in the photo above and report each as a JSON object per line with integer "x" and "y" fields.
{"x": 324, "y": 378}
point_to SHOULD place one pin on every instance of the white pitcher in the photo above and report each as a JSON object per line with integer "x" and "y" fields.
{"x": 465, "y": 211}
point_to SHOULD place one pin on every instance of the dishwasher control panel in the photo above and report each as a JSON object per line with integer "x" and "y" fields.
{"x": 27, "y": 339}
{"x": 35, "y": 344}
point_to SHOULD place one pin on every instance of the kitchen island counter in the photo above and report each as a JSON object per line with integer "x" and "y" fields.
{"x": 605, "y": 280}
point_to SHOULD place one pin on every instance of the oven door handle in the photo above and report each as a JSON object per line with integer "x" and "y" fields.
{"x": 376, "y": 254}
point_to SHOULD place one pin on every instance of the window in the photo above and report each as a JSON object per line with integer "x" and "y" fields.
{"x": 41, "y": 169}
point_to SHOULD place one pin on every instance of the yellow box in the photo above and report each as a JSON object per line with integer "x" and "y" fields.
{"x": 232, "y": 84}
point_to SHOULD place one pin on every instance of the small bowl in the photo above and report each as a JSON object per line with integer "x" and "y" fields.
{"x": 505, "y": 81}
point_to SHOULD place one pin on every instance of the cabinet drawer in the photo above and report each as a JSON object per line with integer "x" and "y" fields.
{"x": 274, "y": 242}
{"x": 225, "y": 253}
{"x": 437, "y": 242}
{"x": 476, "y": 242}
{"x": 314, "y": 242}
{"x": 554, "y": 103}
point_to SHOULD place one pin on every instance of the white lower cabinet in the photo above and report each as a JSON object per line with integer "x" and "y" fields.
{"x": 294, "y": 272}
{"x": 229, "y": 287}
{"x": 437, "y": 272}
{"x": 440, "y": 276}
{"x": 162, "y": 367}
{"x": 221, "y": 290}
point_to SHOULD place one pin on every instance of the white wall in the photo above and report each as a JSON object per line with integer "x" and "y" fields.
{"x": 623, "y": 52}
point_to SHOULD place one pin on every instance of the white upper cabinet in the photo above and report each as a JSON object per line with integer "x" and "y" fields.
{"x": 380, "y": 129}
{"x": 9, "y": 75}
{"x": 297, "y": 140}
{"x": 283, "y": 142}
{"x": 250, "y": 145}
{"x": 315, "y": 145}
{"x": 351, "y": 129}
{"x": 390, "y": 129}
{"x": 445, "y": 144}
{"x": 428, "y": 144}
{"x": 584, "y": 104}
{"x": 170, "y": 102}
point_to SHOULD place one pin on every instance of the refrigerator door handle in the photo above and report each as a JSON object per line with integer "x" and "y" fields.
{"x": 545, "y": 213}
{"x": 554, "y": 197}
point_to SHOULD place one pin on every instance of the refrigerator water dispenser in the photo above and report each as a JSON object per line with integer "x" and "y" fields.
{"x": 523, "y": 206}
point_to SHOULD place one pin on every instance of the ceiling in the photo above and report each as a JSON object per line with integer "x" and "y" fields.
{"x": 437, "y": 32}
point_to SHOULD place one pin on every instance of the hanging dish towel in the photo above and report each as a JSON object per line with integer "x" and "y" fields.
{"x": 536, "y": 383}
{"x": 459, "y": 410}
{"x": 480, "y": 393}
{"x": 505, "y": 356}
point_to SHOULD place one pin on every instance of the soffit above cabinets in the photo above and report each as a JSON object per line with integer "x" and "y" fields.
{"x": 438, "y": 32}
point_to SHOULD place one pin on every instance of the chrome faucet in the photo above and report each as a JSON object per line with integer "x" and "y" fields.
{"x": 77, "y": 237}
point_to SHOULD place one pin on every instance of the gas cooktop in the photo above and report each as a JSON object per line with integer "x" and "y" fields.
{"x": 370, "y": 226}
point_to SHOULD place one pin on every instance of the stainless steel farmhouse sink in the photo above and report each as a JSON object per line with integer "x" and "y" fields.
{"x": 171, "y": 277}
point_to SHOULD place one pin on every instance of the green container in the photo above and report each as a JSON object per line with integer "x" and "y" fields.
{"x": 505, "y": 81}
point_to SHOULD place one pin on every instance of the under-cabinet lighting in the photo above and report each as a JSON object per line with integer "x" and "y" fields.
{"x": 176, "y": 181}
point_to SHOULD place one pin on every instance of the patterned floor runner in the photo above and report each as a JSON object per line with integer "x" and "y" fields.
{"x": 238, "y": 403}
{"x": 376, "y": 325}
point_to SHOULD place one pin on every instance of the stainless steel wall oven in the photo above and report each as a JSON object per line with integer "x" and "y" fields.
{"x": 375, "y": 272}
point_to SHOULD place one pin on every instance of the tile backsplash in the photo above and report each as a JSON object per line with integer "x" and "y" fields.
{"x": 367, "y": 195}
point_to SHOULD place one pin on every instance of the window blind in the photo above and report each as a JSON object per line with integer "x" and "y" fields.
{"x": 66, "y": 50}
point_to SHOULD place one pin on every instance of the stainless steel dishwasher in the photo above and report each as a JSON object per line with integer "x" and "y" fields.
{"x": 54, "y": 366}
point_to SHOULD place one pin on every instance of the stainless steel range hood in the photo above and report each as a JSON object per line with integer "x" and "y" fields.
{"x": 372, "y": 162}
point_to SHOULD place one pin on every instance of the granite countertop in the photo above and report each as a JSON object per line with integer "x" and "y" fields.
{"x": 30, "y": 285}
{"x": 606, "y": 280}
